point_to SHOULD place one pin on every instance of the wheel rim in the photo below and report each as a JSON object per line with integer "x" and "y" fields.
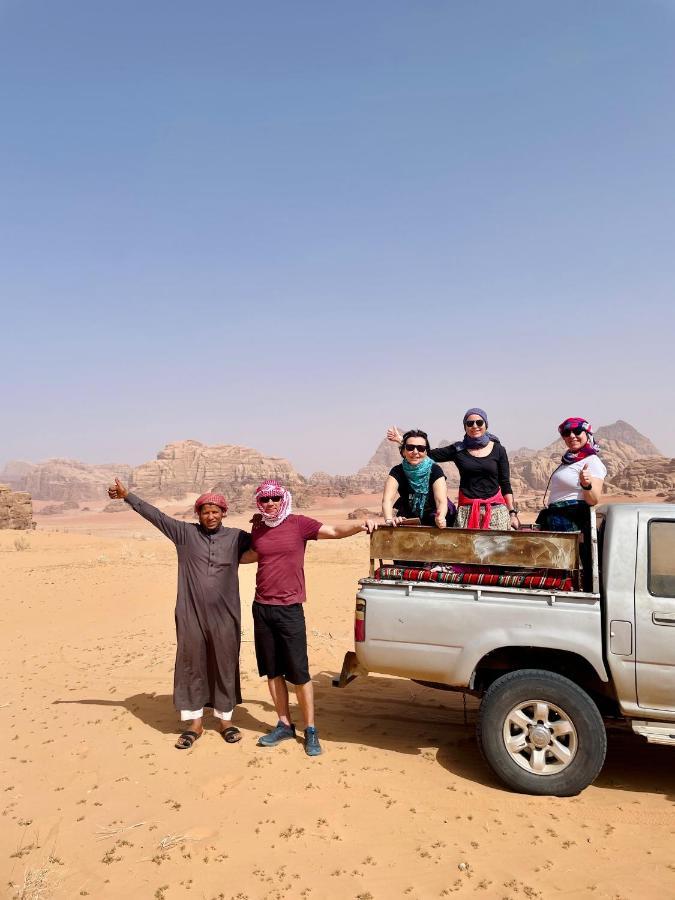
{"x": 540, "y": 737}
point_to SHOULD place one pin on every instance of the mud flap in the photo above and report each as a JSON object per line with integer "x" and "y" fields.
{"x": 350, "y": 669}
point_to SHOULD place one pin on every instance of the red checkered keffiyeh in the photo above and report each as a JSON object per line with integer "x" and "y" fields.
{"x": 216, "y": 499}
{"x": 272, "y": 488}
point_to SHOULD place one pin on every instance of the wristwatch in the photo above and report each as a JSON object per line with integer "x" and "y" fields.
{"x": 586, "y": 487}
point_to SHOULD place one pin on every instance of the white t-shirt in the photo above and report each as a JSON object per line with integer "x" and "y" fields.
{"x": 565, "y": 482}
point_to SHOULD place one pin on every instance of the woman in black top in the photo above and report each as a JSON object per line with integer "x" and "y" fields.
{"x": 485, "y": 492}
{"x": 419, "y": 484}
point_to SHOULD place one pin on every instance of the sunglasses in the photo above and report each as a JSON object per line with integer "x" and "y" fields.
{"x": 419, "y": 447}
{"x": 566, "y": 432}
{"x": 471, "y": 422}
{"x": 270, "y": 499}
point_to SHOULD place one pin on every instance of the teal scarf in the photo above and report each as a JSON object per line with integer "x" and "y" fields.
{"x": 418, "y": 479}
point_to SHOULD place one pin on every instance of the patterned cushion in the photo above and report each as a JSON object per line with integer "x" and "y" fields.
{"x": 489, "y": 578}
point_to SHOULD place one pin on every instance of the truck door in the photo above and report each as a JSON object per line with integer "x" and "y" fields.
{"x": 655, "y": 612}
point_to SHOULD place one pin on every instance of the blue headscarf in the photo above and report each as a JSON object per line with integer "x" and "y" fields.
{"x": 472, "y": 443}
{"x": 418, "y": 478}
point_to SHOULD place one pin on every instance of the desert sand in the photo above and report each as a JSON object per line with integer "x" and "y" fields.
{"x": 96, "y": 802}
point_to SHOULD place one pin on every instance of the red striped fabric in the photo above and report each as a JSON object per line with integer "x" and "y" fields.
{"x": 560, "y": 582}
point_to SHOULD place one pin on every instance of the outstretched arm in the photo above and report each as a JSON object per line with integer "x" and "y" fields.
{"x": 327, "y": 532}
{"x": 172, "y": 528}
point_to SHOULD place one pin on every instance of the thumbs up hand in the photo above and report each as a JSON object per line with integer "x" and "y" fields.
{"x": 585, "y": 478}
{"x": 117, "y": 491}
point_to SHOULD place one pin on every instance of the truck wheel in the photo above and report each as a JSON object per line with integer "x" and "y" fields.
{"x": 541, "y": 734}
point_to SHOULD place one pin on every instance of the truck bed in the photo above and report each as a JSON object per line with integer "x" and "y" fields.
{"x": 440, "y": 632}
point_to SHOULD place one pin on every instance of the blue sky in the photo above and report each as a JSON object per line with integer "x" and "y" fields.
{"x": 286, "y": 225}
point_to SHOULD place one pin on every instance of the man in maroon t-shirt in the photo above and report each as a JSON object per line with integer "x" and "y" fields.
{"x": 279, "y": 538}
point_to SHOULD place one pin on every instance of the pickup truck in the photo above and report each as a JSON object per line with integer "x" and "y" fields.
{"x": 506, "y": 617}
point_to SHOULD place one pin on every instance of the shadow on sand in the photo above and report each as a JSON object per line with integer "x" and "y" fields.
{"x": 400, "y": 716}
{"x": 157, "y": 711}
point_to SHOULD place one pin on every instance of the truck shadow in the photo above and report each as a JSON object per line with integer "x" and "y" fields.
{"x": 398, "y": 715}
{"x": 634, "y": 765}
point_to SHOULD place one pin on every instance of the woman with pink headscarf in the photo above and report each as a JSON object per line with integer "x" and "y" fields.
{"x": 574, "y": 487}
{"x": 577, "y": 482}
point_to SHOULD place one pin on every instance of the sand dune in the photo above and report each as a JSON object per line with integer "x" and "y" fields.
{"x": 96, "y": 801}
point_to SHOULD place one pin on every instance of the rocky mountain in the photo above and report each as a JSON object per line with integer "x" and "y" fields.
{"x": 624, "y": 433}
{"x": 15, "y": 471}
{"x": 63, "y": 479}
{"x": 190, "y": 467}
{"x": 648, "y": 474}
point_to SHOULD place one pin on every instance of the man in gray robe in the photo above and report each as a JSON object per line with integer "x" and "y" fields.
{"x": 208, "y": 611}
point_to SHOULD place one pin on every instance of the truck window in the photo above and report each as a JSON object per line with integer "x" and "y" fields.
{"x": 662, "y": 558}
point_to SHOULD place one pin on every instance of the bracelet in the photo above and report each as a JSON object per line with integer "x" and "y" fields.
{"x": 513, "y": 512}
{"x": 586, "y": 487}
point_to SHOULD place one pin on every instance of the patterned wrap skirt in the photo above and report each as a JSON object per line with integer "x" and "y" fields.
{"x": 499, "y": 520}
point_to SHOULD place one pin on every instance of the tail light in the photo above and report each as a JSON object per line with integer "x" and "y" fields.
{"x": 360, "y": 620}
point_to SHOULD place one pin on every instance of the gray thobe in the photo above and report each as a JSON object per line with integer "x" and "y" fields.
{"x": 208, "y": 610}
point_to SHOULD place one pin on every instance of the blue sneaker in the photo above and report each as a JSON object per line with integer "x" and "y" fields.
{"x": 280, "y": 732}
{"x": 312, "y": 745}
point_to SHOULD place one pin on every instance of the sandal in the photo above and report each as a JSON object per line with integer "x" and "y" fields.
{"x": 186, "y": 740}
{"x": 232, "y": 735}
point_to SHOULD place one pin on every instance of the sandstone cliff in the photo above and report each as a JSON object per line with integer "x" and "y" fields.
{"x": 648, "y": 474}
{"x": 16, "y": 509}
{"x": 67, "y": 479}
{"x": 190, "y": 467}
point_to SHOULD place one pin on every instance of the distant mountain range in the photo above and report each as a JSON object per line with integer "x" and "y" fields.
{"x": 187, "y": 467}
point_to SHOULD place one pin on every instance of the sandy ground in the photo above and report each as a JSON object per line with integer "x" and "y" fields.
{"x": 96, "y": 801}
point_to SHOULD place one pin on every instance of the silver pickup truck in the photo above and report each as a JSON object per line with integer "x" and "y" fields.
{"x": 551, "y": 651}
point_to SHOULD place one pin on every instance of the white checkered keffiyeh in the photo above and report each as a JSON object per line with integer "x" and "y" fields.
{"x": 271, "y": 488}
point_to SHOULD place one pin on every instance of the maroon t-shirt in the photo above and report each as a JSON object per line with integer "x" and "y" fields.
{"x": 281, "y": 554}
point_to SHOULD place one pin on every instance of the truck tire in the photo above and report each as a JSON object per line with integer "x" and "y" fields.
{"x": 540, "y": 733}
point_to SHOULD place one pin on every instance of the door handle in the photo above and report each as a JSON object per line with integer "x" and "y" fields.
{"x": 662, "y": 618}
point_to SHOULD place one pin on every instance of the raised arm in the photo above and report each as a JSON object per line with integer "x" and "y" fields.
{"x": 170, "y": 527}
{"x": 444, "y": 454}
{"x": 440, "y": 454}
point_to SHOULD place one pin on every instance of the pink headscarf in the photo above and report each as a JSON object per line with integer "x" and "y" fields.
{"x": 590, "y": 448}
{"x": 216, "y": 499}
{"x": 272, "y": 488}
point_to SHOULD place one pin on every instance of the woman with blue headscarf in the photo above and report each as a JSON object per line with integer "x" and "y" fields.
{"x": 420, "y": 485}
{"x": 485, "y": 494}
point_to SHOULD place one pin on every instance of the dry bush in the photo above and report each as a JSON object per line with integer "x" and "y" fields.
{"x": 21, "y": 543}
{"x": 35, "y": 884}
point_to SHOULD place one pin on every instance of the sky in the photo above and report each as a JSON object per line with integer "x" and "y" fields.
{"x": 288, "y": 225}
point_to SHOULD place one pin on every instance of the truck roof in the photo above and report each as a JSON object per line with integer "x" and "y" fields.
{"x": 626, "y": 510}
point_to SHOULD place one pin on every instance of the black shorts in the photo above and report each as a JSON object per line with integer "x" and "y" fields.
{"x": 281, "y": 642}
